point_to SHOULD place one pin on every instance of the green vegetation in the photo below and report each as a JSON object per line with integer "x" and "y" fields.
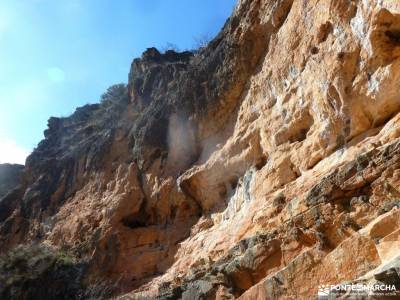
{"x": 39, "y": 272}
{"x": 116, "y": 93}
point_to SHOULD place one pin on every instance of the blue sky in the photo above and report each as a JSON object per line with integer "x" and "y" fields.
{"x": 56, "y": 55}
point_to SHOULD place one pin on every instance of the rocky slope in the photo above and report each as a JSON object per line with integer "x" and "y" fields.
{"x": 10, "y": 177}
{"x": 259, "y": 167}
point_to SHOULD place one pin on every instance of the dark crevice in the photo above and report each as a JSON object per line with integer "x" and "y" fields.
{"x": 314, "y": 50}
{"x": 394, "y": 36}
{"x": 233, "y": 182}
{"x": 324, "y": 31}
{"x": 261, "y": 162}
{"x": 138, "y": 219}
{"x": 133, "y": 222}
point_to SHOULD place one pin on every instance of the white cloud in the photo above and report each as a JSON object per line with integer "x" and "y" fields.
{"x": 11, "y": 152}
{"x": 56, "y": 74}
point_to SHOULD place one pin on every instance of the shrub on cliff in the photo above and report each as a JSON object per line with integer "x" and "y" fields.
{"x": 116, "y": 93}
{"x": 39, "y": 272}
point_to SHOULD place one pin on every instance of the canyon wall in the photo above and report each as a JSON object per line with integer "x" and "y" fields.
{"x": 10, "y": 176}
{"x": 258, "y": 167}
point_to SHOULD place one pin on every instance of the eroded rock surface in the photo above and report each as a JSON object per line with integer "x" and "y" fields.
{"x": 10, "y": 178}
{"x": 259, "y": 167}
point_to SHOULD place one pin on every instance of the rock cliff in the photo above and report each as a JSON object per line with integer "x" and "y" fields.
{"x": 258, "y": 167}
{"x": 10, "y": 177}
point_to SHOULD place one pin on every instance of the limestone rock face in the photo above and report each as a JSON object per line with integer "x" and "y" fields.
{"x": 10, "y": 177}
{"x": 259, "y": 167}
